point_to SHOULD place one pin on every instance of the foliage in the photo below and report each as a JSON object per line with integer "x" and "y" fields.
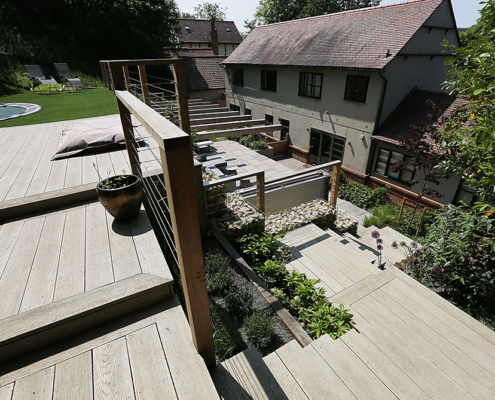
{"x": 362, "y": 196}
{"x": 260, "y": 329}
{"x": 459, "y": 252}
{"x": 258, "y": 145}
{"x": 226, "y": 338}
{"x": 63, "y": 106}
{"x": 382, "y": 216}
{"x": 470, "y": 35}
{"x": 185, "y": 14}
{"x": 468, "y": 135}
{"x": 271, "y": 11}
{"x": 300, "y": 295}
{"x": 239, "y": 302}
{"x": 104, "y": 30}
{"x": 211, "y": 10}
{"x": 258, "y": 248}
{"x": 116, "y": 182}
{"x": 219, "y": 276}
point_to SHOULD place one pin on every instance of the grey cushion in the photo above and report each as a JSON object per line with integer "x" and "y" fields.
{"x": 95, "y": 134}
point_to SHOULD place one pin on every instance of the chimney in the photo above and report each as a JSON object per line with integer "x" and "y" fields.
{"x": 214, "y": 37}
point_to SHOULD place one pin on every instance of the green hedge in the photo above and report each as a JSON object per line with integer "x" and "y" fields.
{"x": 362, "y": 196}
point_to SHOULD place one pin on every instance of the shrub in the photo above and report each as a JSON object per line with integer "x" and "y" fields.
{"x": 258, "y": 248}
{"x": 239, "y": 302}
{"x": 219, "y": 276}
{"x": 460, "y": 252}
{"x": 362, "y": 196}
{"x": 272, "y": 272}
{"x": 382, "y": 216}
{"x": 260, "y": 329}
{"x": 327, "y": 319}
{"x": 258, "y": 145}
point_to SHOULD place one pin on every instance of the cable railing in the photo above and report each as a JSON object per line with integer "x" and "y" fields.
{"x": 167, "y": 173}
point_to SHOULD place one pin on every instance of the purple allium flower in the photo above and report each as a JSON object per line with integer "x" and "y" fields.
{"x": 379, "y": 241}
{"x": 414, "y": 245}
{"x": 438, "y": 270}
{"x": 395, "y": 245}
{"x": 375, "y": 234}
{"x": 418, "y": 252}
{"x": 402, "y": 243}
{"x": 379, "y": 247}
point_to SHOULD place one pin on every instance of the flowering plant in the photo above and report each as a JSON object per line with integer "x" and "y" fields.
{"x": 379, "y": 247}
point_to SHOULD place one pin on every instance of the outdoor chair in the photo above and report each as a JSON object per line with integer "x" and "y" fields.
{"x": 70, "y": 82}
{"x": 39, "y": 80}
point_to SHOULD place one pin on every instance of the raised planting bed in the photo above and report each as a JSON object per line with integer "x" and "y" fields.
{"x": 240, "y": 315}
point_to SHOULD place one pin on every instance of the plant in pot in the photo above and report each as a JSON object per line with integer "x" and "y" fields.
{"x": 121, "y": 195}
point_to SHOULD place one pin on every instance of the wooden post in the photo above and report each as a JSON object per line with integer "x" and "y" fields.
{"x": 335, "y": 184}
{"x": 181, "y": 92}
{"x": 421, "y": 223}
{"x": 402, "y": 208}
{"x": 260, "y": 188}
{"x": 125, "y": 119}
{"x": 144, "y": 84}
{"x": 117, "y": 77}
{"x": 126, "y": 77}
{"x": 178, "y": 174}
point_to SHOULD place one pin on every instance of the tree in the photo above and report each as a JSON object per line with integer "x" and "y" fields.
{"x": 185, "y": 14}
{"x": 271, "y": 11}
{"x": 426, "y": 157}
{"x": 468, "y": 136}
{"x": 211, "y": 10}
{"x": 82, "y": 32}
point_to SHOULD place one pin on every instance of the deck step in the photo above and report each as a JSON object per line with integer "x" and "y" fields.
{"x": 310, "y": 370}
{"x": 283, "y": 376}
{"x": 246, "y": 376}
{"x": 383, "y": 367}
{"x": 147, "y": 354}
{"x": 362, "y": 382}
{"x": 52, "y": 322}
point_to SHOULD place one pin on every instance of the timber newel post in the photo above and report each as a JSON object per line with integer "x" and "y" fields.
{"x": 178, "y": 174}
{"x": 260, "y": 189}
{"x": 127, "y": 79}
{"x": 181, "y": 92}
{"x": 144, "y": 84}
{"x": 125, "y": 119}
{"x": 335, "y": 184}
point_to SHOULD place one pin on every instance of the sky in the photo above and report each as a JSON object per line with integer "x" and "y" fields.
{"x": 466, "y": 11}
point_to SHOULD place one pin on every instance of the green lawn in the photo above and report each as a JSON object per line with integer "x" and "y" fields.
{"x": 62, "y": 106}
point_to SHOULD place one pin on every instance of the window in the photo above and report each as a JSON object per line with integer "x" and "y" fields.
{"x": 465, "y": 194}
{"x": 269, "y": 121}
{"x": 248, "y": 111}
{"x": 187, "y": 28}
{"x": 285, "y": 129}
{"x": 356, "y": 88}
{"x": 227, "y": 28}
{"x": 269, "y": 80}
{"x": 234, "y": 107}
{"x": 386, "y": 158}
{"x": 310, "y": 84}
{"x": 325, "y": 147}
{"x": 238, "y": 76}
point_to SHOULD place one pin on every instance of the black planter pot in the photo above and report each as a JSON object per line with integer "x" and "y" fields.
{"x": 122, "y": 203}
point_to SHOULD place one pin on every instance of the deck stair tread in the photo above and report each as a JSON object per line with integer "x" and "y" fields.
{"x": 430, "y": 377}
{"x": 284, "y": 377}
{"x": 147, "y": 354}
{"x": 361, "y": 381}
{"x": 312, "y": 373}
{"x": 246, "y": 376}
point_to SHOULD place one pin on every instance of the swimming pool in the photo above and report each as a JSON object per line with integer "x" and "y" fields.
{"x": 13, "y": 110}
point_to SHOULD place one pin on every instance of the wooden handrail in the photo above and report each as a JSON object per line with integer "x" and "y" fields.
{"x": 304, "y": 172}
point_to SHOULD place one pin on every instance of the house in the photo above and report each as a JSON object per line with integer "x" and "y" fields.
{"x": 333, "y": 80}
{"x": 222, "y": 36}
{"x": 205, "y": 78}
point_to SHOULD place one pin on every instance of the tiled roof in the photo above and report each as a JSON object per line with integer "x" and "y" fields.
{"x": 204, "y": 73}
{"x": 412, "y": 112}
{"x": 196, "y": 52}
{"x": 199, "y": 31}
{"x": 350, "y": 39}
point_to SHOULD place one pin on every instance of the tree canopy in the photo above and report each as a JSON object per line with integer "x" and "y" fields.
{"x": 82, "y": 32}
{"x": 210, "y": 10}
{"x": 469, "y": 135}
{"x": 271, "y": 11}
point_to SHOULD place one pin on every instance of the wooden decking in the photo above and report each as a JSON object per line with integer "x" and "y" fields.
{"x": 26, "y": 168}
{"x": 145, "y": 355}
{"x": 410, "y": 343}
{"x": 88, "y": 308}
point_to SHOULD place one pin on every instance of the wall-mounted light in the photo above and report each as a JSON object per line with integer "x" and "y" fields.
{"x": 361, "y": 136}
{"x": 326, "y": 112}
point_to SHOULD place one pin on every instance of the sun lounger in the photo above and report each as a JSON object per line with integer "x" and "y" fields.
{"x": 39, "y": 80}
{"x": 73, "y": 83}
